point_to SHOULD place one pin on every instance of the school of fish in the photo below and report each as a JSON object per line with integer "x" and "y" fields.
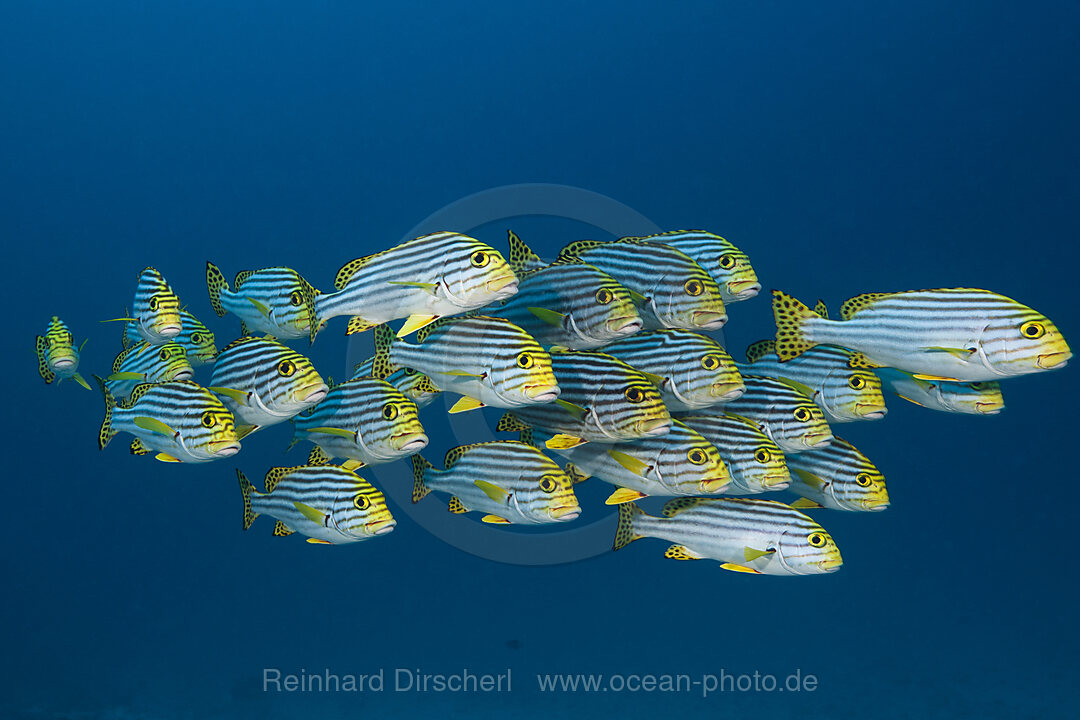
{"x": 600, "y": 364}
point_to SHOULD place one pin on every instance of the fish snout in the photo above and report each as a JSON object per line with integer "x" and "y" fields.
{"x": 743, "y": 289}
{"x": 830, "y": 564}
{"x": 503, "y": 286}
{"x": 224, "y": 448}
{"x": 381, "y": 527}
{"x": 870, "y": 411}
{"x": 709, "y": 319}
{"x": 168, "y": 330}
{"x": 818, "y": 439}
{"x": 622, "y": 326}
{"x": 314, "y": 393}
{"x": 656, "y": 427}
{"x": 411, "y": 442}
{"x": 184, "y": 374}
{"x": 715, "y": 485}
{"x": 543, "y": 393}
{"x": 989, "y": 408}
{"x": 1054, "y": 360}
{"x": 63, "y": 363}
{"x": 727, "y": 391}
{"x": 565, "y": 513}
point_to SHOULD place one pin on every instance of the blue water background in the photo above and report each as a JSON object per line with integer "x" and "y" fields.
{"x": 846, "y": 146}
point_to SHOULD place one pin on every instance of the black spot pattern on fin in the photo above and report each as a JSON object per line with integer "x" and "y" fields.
{"x": 241, "y": 277}
{"x": 676, "y": 506}
{"x": 215, "y": 283}
{"x": 853, "y": 305}
{"x": 282, "y": 530}
{"x": 419, "y": 467}
{"x": 790, "y": 314}
{"x": 759, "y": 349}
{"x": 41, "y": 347}
{"x": 246, "y": 489}
{"x": 624, "y": 533}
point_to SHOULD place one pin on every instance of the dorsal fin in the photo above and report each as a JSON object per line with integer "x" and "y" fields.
{"x": 423, "y": 332}
{"x": 676, "y": 506}
{"x": 522, "y": 259}
{"x": 858, "y": 360}
{"x": 241, "y": 277}
{"x": 455, "y": 454}
{"x": 317, "y": 457}
{"x": 760, "y": 349}
{"x": 822, "y": 309}
{"x": 510, "y": 423}
{"x": 126, "y": 353}
{"x": 140, "y": 390}
{"x": 242, "y": 340}
{"x": 349, "y": 269}
{"x": 576, "y": 248}
{"x": 273, "y": 477}
{"x": 853, "y": 305}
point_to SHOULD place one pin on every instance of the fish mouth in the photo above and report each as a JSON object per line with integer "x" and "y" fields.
{"x": 830, "y": 564}
{"x": 410, "y": 442}
{"x": 870, "y": 412}
{"x": 726, "y": 392}
{"x": 989, "y": 408}
{"x": 565, "y": 513}
{"x": 776, "y": 482}
{"x": 625, "y": 325}
{"x": 818, "y": 439}
{"x": 717, "y": 485}
{"x": 380, "y": 527}
{"x": 876, "y": 506}
{"x": 709, "y": 319}
{"x": 1054, "y": 360}
{"x": 169, "y": 330}
{"x": 63, "y": 363}
{"x": 542, "y": 393}
{"x": 744, "y": 289}
{"x": 655, "y": 428}
{"x": 506, "y": 285}
{"x": 184, "y": 374}
{"x": 224, "y": 448}
{"x": 316, "y": 395}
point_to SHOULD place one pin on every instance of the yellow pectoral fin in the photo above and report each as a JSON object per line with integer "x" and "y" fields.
{"x": 164, "y": 457}
{"x": 805, "y": 504}
{"x": 238, "y": 396}
{"x": 576, "y": 410}
{"x": 79, "y": 379}
{"x": 310, "y": 513}
{"x": 340, "y": 432}
{"x": 154, "y": 425}
{"x": 808, "y": 477}
{"x": 352, "y": 465}
{"x": 752, "y": 554}
{"x": 465, "y": 404}
{"x": 242, "y": 431}
{"x": 414, "y": 323}
{"x": 121, "y": 320}
{"x": 623, "y": 495}
{"x": 427, "y": 287}
{"x": 126, "y": 376}
{"x": 551, "y": 317}
{"x": 960, "y": 353}
{"x": 629, "y": 462}
{"x": 493, "y": 491}
{"x": 740, "y": 568}
{"x": 905, "y": 397}
{"x": 495, "y": 520}
{"x": 261, "y": 307}
{"x": 563, "y": 441}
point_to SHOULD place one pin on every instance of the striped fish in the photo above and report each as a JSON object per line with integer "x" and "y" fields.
{"x": 675, "y": 291}
{"x": 509, "y": 481}
{"x": 971, "y": 398}
{"x": 195, "y": 337}
{"x": 571, "y": 305}
{"x": 837, "y": 379}
{"x": 786, "y": 415}
{"x": 691, "y": 370}
{"x": 602, "y": 399}
{"x": 264, "y": 382}
{"x": 444, "y": 273}
{"x": 486, "y": 360}
{"x": 156, "y": 310}
{"x": 679, "y": 463}
{"x": 327, "y": 503}
{"x": 837, "y": 477}
{"x": 727, "y": 264}
{"x": 57, "y": 355}
{"x": 181, "y": 421}
{"x": 277, "y": 301}
{"x": 146, "y": 363}
{"x": 414, "y": 385}
{"x": 755, "y": 536}
{"x": 366, "y": 420}
{"x": 947, "y": 334}
{"x": 757, "y": 464}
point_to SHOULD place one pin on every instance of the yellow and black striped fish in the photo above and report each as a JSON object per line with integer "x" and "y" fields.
{"x": 436, "y": 275}
{"x": 675, "y": 291}
{"x": 413, "y": 384}
{"x": 327, "y": 503}
{"x": 146, "y": 363}
{"x": 197, "y": 339}
{"x": 948, "y": 334}
{"x": 755, "y": 536}
{"x": 57, "y": 356}
{"x": 691, "y": 370}
{"x": 789, "y": 417}
{"x": 155, "y": 312}
{"x": 838, "y": 477}
{"x": 727, "y": 264}
{"x": 277, "y": 301}
{"x": 181, "y": 421}
{"x": 757, "y": 464}
{"x": 510, "y": 482}
{"x": 264, "y": 382}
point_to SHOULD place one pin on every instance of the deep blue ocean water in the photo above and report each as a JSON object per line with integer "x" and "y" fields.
{"x": 847, "y": 147}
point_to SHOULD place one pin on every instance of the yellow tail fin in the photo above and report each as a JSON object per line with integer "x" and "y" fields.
{"x": 791, "y": 316}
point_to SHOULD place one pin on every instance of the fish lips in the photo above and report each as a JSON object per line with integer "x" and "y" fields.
{"x": 316, "y": 394}
{"x": 743, "y": 289}
{"x": 830, "y": 565}
{"x": 224, "y": 448}
{"x": 726, "y": 392}
{"x": 410, "y": 442}
{"x": 870, "y": 412}
{"x": 565, "y": 513}
{"x": 1054, "y": 360}
{"x": 709, "y": 319}
{"x": 168, "y": 331}
{"x": 381, "y": 527}
{"x": 624, "y": 325}
{"x": 63, "y": 363}
{"x": 989, "y": 408}
{"x": 715, "y": 485}
{"x": 542, "y": 393}
{"x": 818, "y": 439}
{"x": 655, "y": 428}
{"x": 184, "y": 374}
{"x": 503, "y": 286}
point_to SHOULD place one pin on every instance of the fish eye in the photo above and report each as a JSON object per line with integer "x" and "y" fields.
{"x": 856, "y": 382}
{"x": 362, "y": 502}
{"x": 693, "y": 287}
{"x": 634, "y": 394}
{"x": 863, "y": 479}
{"x": 548, "y": 484}
{"x": 1032, "y": 330}
{"x": 196, "y": 338}
{"x": 816, "y": 539}
{"x": 163, "y": 353}
{"x": 295, "y": 298}
{"x": 604, "y": 296}
{"x": 727, "y": 262}
{"x": 762, "y": 455}
{"x": 480, "y": 258}
{"x": 524, "y": 360}
{"x": 286, "y": 368}
{"x": 153, "y": 302}
{"x": 389, "y": 411}
{"x": 410, "y": 371}
{"x": 802, "y": 414}
{"x": 710, "y": 361}
{"x": 697, "y": 456}
{"x": 208, "y": 420}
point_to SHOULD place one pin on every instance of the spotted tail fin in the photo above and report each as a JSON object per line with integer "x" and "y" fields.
{"x": 381, "y": 367}
{"x": 419, "y": 467}
{"x": 215, "y": 283}
{"x": 247, "y": 489}
{"x": 791, "y": 316}
{"x": 106, "y": 433}
{"x": 624, "y": 533}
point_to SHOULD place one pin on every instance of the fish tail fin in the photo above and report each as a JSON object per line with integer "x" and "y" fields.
{"x": 381, "y": 367}
{"x": 521, "y": 255}
{"x": 791, "y": 317}
{"x": 247, "y": 489}
{"x": 42, "y": 363}
{"x": 625, "y": 533}
{"x": 215, "y": 283}
{"x": 107, "y": 432}
{"x": 419, "y": 467}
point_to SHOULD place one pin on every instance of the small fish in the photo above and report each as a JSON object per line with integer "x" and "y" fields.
{"x": 181, "y": 421}
{"x": 602, "y": 399}
{"x": 146, "y": 363}
{"x": 679, "y": 463}
{"x": 277, "y": 301}
{"x": 444, "y": 273}
{"x": 757, "y": 464}
{"x": 838, "y": 380}
{"x": 970, "y": 398}
{"x": 414, "y": 385}
{"x": 366, "y": 420}
{"x": 959, "y": 334}
{"x": 672, "y": 290}
{"x": 156, "y": 310}
{"x": 486, "y": 360}
{"x": 509, "y": 481}
{"x": 691, "y": 370}
{"x": 727, "y": 264}
{"x": 753, "y": 536}
{"x": 837, "y": 477}
{"x": 327, "y": 503}
{"x": 264, "y": 382}
{"x": 57, "y": 355}
{"x": 195, "y": 337}
{"x": 785, "y": 414}
{"x": 571, "y": 305}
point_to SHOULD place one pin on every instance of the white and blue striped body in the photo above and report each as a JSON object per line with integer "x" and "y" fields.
{"x": 146, "y": 363}
{"x": 756, "y": 463}
{"x": 971, "y": 398}
{"x": 839, "y": 477}
{"x": 728, "y": 265}
{"x": 791, "y": 419}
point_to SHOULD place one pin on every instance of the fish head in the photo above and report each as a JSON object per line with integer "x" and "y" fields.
{"x": 708, "y": 378}
{"x": 414, "y": 385}
{"x": 156, "y": 308}
{"x": 362, "y": 512}
{"x": 689, "y": 300}
{"x": 698, "y": 467}
{"x": 852, "y": 394}
{"x": 806, "y": 548}
{"x": 761, "y": 467}
{"x": 1023, "y": 342}
{"x": 474, "y": 274}
{"x": 600, "y": 309}
{"x": 634, "y": 410}
{"x": 168, "y": 362}
{"x": 60, "y": 352}
{"x": 972, "y": 398}
{"x": 390, "y": 425}
{"x": 801, "y": 426}
{"x": 520, "y": 372}
{"x": 555, "y": 498}
{"x": 199, "y": 342}
{"x": 210, "y": 430}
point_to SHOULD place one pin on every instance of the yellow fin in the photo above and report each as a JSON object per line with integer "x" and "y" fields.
{"x": 427, "y": 287}
{"x": 414, "y": 323}
{"x": 921, "y": 376}
{"x": 493, "y": 491}
{"x": 461, "y": 373}
{"x": 806, "y": 504}
{"x": 316, "y": 541}
{"x": 638, "y": 298}
{"x": 357, "y": 324}
{"x": 905, "y": 397}
{"x": 752, "y": 554}
{"x": 351, "y": 465}
{"x": 562, "y": 441}
{"x": 126, "y": 376}
{"x": 801, "y": 387}
{"x": 340, "y": 432}
{"x": 282, "y": 530}
{"x": 242, "y": 431}
{"x": 154, "y": 425}
{"x": 165, "y": 457}
{"x": 261, "y": 307}
{"x": 576, "y": 410}
{"x": 238, "y": 396}
{"x": 960, "y": 353}
{"x": 623, "y": 495}
{"x": 629, "y": 462}
{"x": 808, "y": 477}
{"x": 739, "y": 568}
{"x": 576, "y": 476}
{"x": 860, "y": 302}
{"x": 456, "y": 506}
{"x": 655, "y": 379}
{"x": 551, "y": 317}
{"x": 137, "y": 447}
{"x": 465, "y": 404}
{"x": 495, "y": 520}
{"x": 310, "y": 513}
{"x": 681, "y": 552}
